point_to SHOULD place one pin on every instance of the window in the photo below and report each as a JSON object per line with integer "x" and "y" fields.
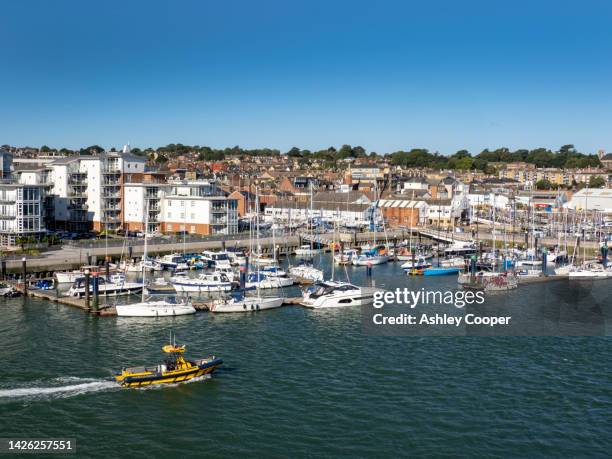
{"x": 192, "y": 203}
{"x": 169, "y": 214}
{"x": 169, "y": 226}
{"x": 193, "y": 229}
{"x": 193, "y": 216}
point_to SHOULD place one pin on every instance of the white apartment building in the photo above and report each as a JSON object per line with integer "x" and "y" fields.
{"x": 197, "y": 207}
{"x": 85, "y": 192}
{"x": 300, "y": 212}
{"x": 21, "y": 212}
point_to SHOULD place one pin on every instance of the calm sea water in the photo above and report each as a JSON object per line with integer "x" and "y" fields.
{"x": 303, "y": 383}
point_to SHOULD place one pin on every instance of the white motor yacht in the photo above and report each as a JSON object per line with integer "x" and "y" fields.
{"x": 236, "y": 257}
{"x": 332, "y": 294}
{"x": 216, "y": 259}
{"x": 228, "y": 272}
{"x": 120, "y": 287}
{"x": 306, "y": 273}
{"x": 305, "y": 251}
{"x": 263, "y": 281}
{"x": 215, "y": 282}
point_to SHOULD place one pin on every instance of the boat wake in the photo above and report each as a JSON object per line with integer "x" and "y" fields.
{"x": 56, "y": 388}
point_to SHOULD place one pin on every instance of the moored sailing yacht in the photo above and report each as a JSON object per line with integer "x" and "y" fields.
{"x": 238, "y": 302}
{"x": 153, "y": 308}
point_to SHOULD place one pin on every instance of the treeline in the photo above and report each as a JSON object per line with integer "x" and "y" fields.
{"x": 566, "y": 157}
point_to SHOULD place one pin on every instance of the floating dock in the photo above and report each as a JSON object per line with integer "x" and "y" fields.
{"x": 109, "y": 310}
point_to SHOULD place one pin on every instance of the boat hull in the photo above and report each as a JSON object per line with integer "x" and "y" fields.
{"x": 247, "y": 305}
{"x": 370, "y": 261}
{"x": 172, "y": 377}
{"x": 154, "y": 309}
{"x": 441, "y": 271}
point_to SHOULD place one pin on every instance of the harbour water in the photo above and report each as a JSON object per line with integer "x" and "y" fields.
{"x": 304, "y": 383}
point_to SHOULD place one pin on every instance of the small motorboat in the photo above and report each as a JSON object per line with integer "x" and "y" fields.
{"x": 346, "y": 257}
{"x": 175, "y": 369}
{"x": 160, "y": 287}
{"x": 306, "y": 274}
{"x": 441, "y": 271}
{"x": 5, "y": 289}
{"x": 44, "y": 284}
{"x": 306, "y": 251}
{"x": 418, "y": 264}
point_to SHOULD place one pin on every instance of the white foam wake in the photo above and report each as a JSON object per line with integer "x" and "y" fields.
{"x": 70, "y": 390}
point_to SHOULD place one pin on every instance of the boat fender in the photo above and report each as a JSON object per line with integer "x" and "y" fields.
{"x": 257, "y": 307}
{"x": 244, "y": 306}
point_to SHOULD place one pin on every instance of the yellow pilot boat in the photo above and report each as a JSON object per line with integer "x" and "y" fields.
{"x": 175, "y": 369}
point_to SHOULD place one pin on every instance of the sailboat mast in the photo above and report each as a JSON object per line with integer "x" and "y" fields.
{"x": 144, "y": 252}
{"x": 257, "y": 236}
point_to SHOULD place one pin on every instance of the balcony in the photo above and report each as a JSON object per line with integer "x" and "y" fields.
{"x": 77, "y": 192}
{"x": 111, "y": 170}
{"x": 77, "y": 205}
{"x": 108, "y": 183}
{"x": 111, "y": 194}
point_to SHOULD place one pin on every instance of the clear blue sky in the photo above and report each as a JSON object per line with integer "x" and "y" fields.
{"x": 385, "y": 75}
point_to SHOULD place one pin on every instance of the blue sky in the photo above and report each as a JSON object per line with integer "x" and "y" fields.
{"x": 443, "y": 75}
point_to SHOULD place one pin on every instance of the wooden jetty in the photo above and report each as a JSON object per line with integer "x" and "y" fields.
{"x": 108, "y": 310}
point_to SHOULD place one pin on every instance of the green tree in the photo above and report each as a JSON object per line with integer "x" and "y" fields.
{"x": 596, "y": 181}
{"x": 543, "y": 185}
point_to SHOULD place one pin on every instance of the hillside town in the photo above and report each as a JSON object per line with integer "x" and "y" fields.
{"x": 79, "y": 194}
